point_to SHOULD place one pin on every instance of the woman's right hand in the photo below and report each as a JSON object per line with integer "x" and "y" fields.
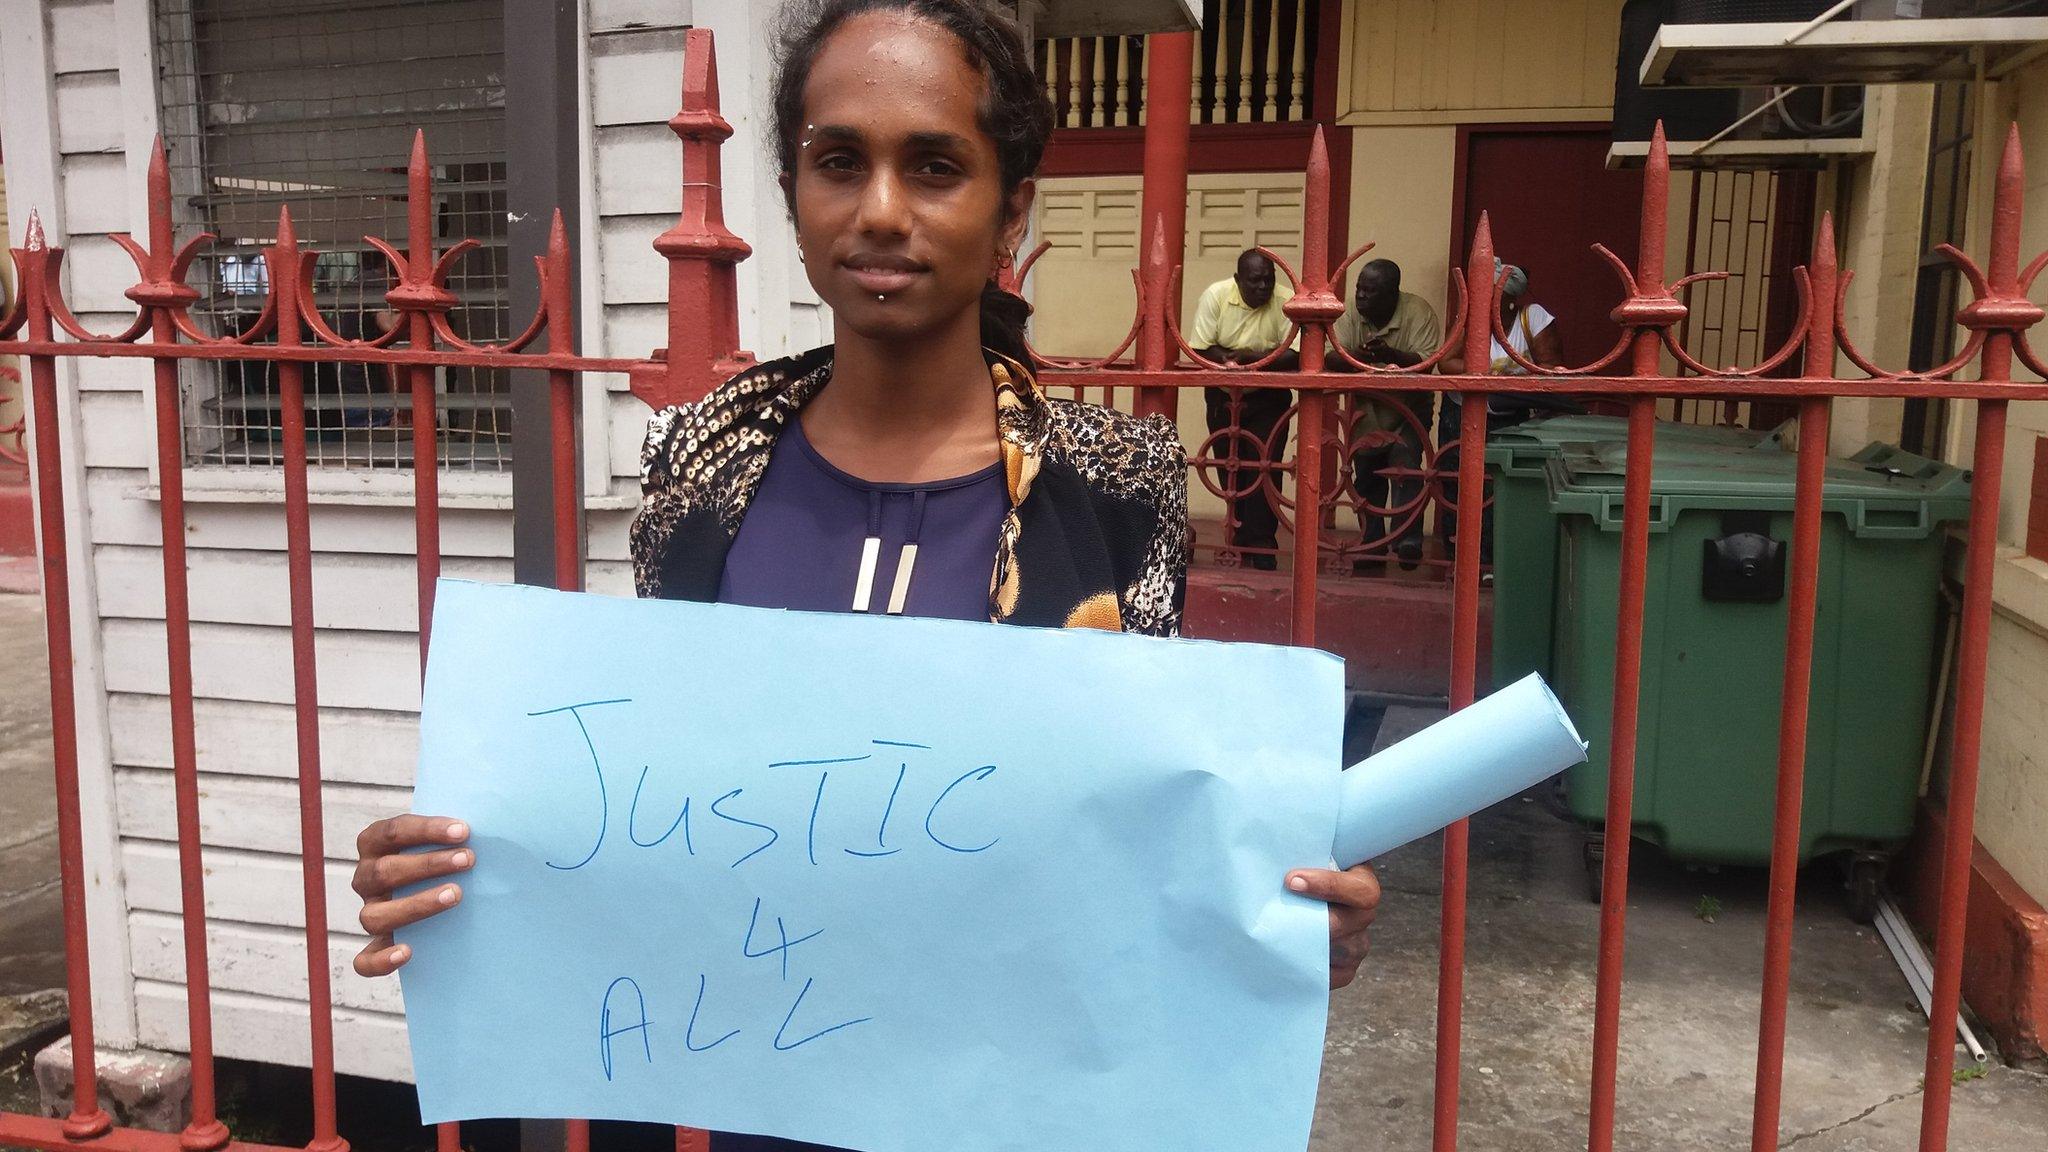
{"x": 385, "y": 866}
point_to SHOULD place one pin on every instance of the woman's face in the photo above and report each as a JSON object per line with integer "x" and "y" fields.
{"x": 898, "y": 195}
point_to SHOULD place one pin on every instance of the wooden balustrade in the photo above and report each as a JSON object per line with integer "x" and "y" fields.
{"x": 1253, "y": 62}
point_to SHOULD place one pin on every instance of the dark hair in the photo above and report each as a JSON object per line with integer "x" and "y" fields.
{"x": 1014, "y": 110}
{"x": 1386, "y": 268}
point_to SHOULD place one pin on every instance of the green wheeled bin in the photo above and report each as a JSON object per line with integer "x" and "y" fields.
{"x": 1714, "y": 643}
{"x": 1525, "y": 533}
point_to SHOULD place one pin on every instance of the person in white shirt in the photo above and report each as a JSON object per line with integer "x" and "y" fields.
{"x": 1532, "y": 332}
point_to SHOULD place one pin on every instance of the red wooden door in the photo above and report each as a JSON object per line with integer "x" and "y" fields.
{"x": 1550, "y": 198}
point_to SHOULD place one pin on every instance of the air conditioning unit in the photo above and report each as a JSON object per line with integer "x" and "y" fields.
{"x": 1738, "y": 127}
{"x": 1779, "y": 43}
{"x": 1799, "y": 11}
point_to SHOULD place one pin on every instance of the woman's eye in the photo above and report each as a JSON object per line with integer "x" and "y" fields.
{"x": 837, "y": 162}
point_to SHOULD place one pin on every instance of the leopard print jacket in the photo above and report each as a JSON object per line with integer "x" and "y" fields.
{"x": 1096, "y": 535}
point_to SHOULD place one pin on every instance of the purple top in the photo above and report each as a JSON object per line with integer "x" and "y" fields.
{"x": 801, "y": 547}
{"x": 804, "y": 536}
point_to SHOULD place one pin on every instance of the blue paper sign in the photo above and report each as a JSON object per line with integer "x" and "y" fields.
{"x": 885, "y": 884}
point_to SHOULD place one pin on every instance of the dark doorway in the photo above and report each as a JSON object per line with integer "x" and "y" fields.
{"x": 1550, "y": 197}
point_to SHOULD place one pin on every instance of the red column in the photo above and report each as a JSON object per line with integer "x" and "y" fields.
{"x": 1164, "y": 211}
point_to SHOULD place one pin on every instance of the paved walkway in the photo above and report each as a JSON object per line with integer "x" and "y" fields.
{"x": 1854, "y": 1041}
{"x": 31, "y": 944}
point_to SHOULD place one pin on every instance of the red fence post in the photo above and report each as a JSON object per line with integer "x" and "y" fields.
{"x": 1798, "y": 684}
{"x": 555, "y": 272}
{"x": 2003, "y": 309}
{"x": 420, "y": 298}
{"x": 162, "y": 291}
{"x": 704, "y": 341}
{"x": 36, "y": 265}
{"x": 1648, "y": 312}
{"x": 1314, "y": 308}
{"x": 1450, "y": 983}
{"x": 285, "y": 270}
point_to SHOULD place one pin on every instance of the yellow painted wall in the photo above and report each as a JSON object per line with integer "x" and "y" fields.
{"x": 1879, "y": 202}
{"x": 1082, "y": 295}
{"x": 1401, "y": 201}
{"x": 1478, "y": 60}
{"x": 2012, "y": 806}
{"x": 1092, "y": 224}
{"x": 2022, "y": 100}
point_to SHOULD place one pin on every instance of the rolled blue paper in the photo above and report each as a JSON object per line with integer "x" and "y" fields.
{"x": 884, "y": 884}
{"x": 1471, "y": 759}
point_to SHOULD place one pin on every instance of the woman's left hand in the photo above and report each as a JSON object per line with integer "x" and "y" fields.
{"x": 1354, "y": 899}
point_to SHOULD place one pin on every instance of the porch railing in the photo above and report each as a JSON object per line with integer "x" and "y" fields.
{"x": 703, "y": 347}
{"x": 1254, "y": 62}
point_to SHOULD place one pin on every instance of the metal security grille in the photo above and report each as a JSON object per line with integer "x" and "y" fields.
{"x": 312, "y": 105}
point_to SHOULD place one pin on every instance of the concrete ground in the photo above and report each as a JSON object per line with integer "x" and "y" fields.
{"x": 1855, "y": 1037}
{"x": 31, "y": 941}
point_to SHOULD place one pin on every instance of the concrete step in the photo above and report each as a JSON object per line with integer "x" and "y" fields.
{"x": 17, "y": 515}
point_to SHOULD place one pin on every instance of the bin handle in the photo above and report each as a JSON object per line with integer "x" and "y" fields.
{"x": 1923, "y": 523}
{"x": 1611, "y": 509}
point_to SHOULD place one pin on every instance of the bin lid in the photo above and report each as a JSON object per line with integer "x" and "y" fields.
{"x": 1529, "y": 442}
{"x": 1882, "y": 490}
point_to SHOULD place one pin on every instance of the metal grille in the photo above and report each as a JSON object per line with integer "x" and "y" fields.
{"x": 1732, "y": 229}
{"x": 312, "y": 105}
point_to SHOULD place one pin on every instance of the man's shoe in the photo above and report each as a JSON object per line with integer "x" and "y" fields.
{"x": 1262, "y": 562}
{"x": 1409, "y": 552}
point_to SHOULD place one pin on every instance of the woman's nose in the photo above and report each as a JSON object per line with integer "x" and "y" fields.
{"x": 883, "y": 206}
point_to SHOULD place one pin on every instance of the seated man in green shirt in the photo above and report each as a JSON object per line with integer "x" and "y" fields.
{"x": 1385, "y": 325}
{"x": 1239, "y": 321}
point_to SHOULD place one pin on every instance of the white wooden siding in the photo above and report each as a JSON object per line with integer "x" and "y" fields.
{"x": 62, "y": 101}
{"x": 98, "y": 108}
{"x": 93, "y": 100}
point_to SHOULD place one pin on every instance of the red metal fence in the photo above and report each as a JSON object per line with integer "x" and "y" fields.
{"x": 703, "y": 343}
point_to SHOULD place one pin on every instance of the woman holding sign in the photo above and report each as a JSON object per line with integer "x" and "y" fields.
{"x": 913, "y": 468}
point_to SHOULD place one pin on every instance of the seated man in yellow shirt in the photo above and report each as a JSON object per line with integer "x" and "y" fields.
{"x": 1239, "y": 321}
{"x": 1385, "y": 325}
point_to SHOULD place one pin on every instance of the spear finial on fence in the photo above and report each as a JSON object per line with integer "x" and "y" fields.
{"x": 1823, "y": 274}
{"x": 36, "y": 264}
{"x": 283, "y": 260}
{"x": 162, "y": 267}
{"x": 1315, "y": 299}
{"x": 556, "y": 277}
{"x": 1479, "y": 281}
{"x": 2008, "y": 194}
{"x": 1650, "y": 306}
{"x": 2002, "y": 303}
{"x": 417, "y": 288}
{"x": 703, "y": 290}
{"x": 1656, "y": 206}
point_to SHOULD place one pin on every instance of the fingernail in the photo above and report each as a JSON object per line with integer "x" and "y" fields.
{"x": 458, "y": 831}
{"x": 401, "y": 954}
{"x": 1298, "y": 883}
{"x": 449, "y": 894}
{"x": 462, "y": 859}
